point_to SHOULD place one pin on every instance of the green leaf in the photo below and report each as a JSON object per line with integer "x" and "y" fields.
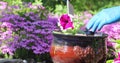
{"x": 117, "y": 41}
{"x": 117, "y": 45}
{"x": 109, "y": 61}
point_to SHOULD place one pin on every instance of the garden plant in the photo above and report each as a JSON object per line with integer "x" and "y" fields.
{"x": 26, "y": 26}
{"x": 26, "y": 31}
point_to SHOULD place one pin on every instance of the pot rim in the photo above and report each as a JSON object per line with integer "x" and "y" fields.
{"x": 100, "y": 35}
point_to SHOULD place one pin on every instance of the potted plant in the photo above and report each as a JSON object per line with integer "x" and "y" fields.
{"x": 71, "y": 45}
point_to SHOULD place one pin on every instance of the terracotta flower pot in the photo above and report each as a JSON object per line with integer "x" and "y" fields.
{"x": 78, "y": 49}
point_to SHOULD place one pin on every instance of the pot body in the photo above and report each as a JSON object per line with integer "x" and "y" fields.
{"x": 78, "y": 49}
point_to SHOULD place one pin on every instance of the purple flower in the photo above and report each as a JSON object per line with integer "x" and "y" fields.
{"x": 117, "y": 60}
{"x": 28, "y": 31}
{"x": 87, "y": 14}
{"x": 6, "y": 49}
{"x": 112, "y": 30}
{"x": 53, "y": 20}
{"x": 111, "y": 44}
{"x": 85, "y": 17}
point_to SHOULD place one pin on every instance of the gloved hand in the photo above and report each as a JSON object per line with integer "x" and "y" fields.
{"x": 106, "y": 16}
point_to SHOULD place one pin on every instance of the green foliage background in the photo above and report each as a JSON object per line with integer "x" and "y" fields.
{"x": 94, "y": 5}
{"x": 79, "y": 5}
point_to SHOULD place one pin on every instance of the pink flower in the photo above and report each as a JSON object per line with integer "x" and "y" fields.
{"x": 65, "y": 21}
{"x": 113, "y": 30}
{"x": 117, "y": 60}
{"x": 3, "y": 5}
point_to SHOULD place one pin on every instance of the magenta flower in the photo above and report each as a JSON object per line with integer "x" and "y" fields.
{"x": 117, "y": 60}
{"x": 66, "y": 22}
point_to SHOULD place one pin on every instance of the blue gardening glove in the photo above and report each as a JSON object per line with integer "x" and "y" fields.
{"x": 106, "y": 16}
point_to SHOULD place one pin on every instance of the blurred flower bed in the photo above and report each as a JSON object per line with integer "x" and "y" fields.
{"x": 26, "y": 32}
{"x": 113, "y": 41}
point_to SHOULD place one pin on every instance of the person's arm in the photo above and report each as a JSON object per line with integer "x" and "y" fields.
{"x": 106, "y": 16}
